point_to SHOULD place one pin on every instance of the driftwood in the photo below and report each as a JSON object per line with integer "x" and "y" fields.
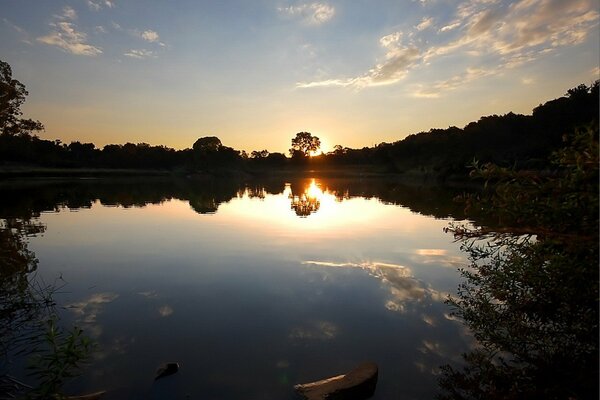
{"x": 91, "y": 396}
{"x": 358, "y": 384}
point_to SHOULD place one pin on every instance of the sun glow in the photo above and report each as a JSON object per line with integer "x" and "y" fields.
{"x": 314, "y": 191}
{"x": 323, "y": 149}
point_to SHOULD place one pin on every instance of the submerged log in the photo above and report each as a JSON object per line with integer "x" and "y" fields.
{"x": 358, "y": 384}
{"x": 166, "y": 369}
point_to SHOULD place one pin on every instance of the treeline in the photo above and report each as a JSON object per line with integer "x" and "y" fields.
{"x": 521, "y": 141}
{"x": 27, "y": 199}
{"x": 31, "y": 150}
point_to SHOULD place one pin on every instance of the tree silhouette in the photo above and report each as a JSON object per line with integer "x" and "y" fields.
{"x": 530, "y": 294}
{"x": 303, "y": 144}
{"x": 207, "y": 144}
{"x": 12, "y": 96}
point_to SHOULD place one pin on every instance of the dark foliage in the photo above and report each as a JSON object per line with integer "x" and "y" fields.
{"x": 522, "y": 141}
{"x": 530, "y": 294}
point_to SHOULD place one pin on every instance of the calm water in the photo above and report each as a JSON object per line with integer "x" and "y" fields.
{"x": 251, "y": 288}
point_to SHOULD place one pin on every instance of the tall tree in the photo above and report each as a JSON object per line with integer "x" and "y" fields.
{"x": 303, "y": 144}
{"x": 12, "y": 96}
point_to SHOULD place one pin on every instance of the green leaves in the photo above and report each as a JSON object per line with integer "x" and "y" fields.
{"x": 61, "y": 357}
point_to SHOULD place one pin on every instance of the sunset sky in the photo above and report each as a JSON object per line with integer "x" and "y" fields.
{"x": 254, "y": 73}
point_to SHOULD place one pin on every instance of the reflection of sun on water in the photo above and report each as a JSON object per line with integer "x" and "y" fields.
{"x": 296, "y": 209}
{"x": 314, "y": 191}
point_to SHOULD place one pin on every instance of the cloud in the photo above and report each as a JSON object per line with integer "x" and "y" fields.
{"x": 68, "y": 13}
{"x": 310, "y": 13}
{"x": 527, "y": 81}
{"x": 97, "y": 5}
{"x": 450, "y": 26}
{"x": 424, "y": 24}
{"x": 64, "y": 35}
{"x": 495, "y": 35}
{"x": 404, "y": 288}
{"x": 434, "y": 90}
{"x": 22, "y": 32}
{"x": 165, "y": 311}
{"x": 89, "y": 309}
{"x": 149, "y": 36}
{"x": 316, "y": 330}
{"x": 398, "y": 60}
{"x": 140, "y": 53}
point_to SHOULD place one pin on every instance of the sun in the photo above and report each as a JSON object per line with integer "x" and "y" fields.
{"x": 323, "y": 149}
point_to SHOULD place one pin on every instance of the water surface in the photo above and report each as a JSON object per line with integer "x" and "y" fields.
{"x": 252, "y": 288}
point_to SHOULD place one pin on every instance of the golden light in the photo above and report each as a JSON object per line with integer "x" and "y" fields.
{"x": 314, "y": 191}
{"x": 325, "y": 148}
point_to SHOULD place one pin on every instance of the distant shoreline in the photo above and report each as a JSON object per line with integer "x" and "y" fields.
{"x": 411, "y": 177}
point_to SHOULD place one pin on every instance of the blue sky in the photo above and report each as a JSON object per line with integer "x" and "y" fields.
{"x": 254, "y": 73}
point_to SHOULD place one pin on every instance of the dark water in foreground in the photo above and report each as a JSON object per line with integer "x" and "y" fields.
{"x": 251, "y": 288}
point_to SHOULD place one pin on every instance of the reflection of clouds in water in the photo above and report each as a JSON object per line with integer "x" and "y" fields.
{"x": 119, "y": 345}
{"x": 431, "y": 252}
{"x": 429, "y": 320}
{"x": 149, "y": 294}
{"x": 439, "y": 257}
{"x": 165, "y": 311}
{"x": 88, "y": 310}
{"x": 403, "y": 286}
{"x": 318, "y": 330}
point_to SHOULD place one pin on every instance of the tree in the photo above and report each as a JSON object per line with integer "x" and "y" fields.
{"x": 303, "y": 144}
{"x": 260, "y": 154}
{"x": 12, "y": 96}
{"x": 530, "y": 294}
{"x": 207, "y": 144}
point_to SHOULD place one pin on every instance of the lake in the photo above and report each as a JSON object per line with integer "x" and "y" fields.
{"x": 250, "y": 287}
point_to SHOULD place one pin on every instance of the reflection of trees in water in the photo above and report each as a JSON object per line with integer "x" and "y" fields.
{"x": 21, "y": 301}
{"x": 205, "y": 195}
{"x": 530, "y": 294}
{"x": 304, "y": 205}
{"x": 304, "y": 201}
{"x": 28, "y": 321}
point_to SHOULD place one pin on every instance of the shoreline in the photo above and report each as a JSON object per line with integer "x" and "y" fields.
{"x": 368, "y": 172}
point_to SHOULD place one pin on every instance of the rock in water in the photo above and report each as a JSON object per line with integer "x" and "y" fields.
{"x": 166, "y": 369}
{"x": 358, "y": 384}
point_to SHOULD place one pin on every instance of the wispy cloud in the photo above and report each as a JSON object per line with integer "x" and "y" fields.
{"x": 310, "y": 13}
{"x": 450, "y": 26}
{"x": 424, "y": 24}
{"x": 403, "y": 286}
{"x": 488, "y": 31}
{"x": 398, "y": 60}
{"x": 22, "y": 32}
{"x": 97, "y": 5}
{"x": 65, "y": 35}
{"x": 68, "y": 14}
{"x": 140, "y": 53}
